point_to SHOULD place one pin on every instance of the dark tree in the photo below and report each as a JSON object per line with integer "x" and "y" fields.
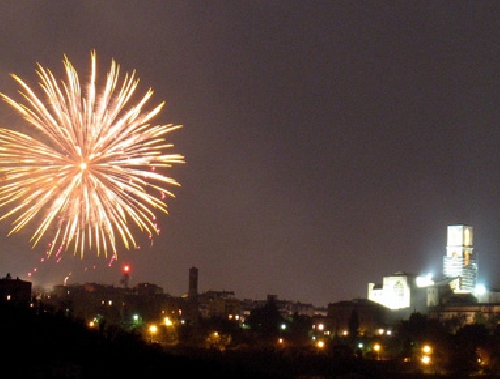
{"x": 354, "y": 323}
{"x": 266, "y": 321}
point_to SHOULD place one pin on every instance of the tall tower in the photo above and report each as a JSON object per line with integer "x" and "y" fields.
{"x": 459, "y": 264}
{"x": 193, "y": 283}
{"x": 192, "y": 299}
{"x": 126, "y": 275}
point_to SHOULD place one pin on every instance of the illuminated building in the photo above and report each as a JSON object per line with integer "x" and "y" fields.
{"x": 459, "y": 264}
{"x": 400, "y": 291}
{"x": 394, "y": 292}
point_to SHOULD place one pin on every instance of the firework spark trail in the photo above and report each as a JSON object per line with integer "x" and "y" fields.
{"x": 94, "y": 172}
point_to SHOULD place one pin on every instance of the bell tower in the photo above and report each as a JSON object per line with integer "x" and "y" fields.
{"x": 459, "y": 264}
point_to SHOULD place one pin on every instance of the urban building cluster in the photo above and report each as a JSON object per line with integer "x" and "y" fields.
{"x": 213, "y": 318}
{"x": 405, "y": 292}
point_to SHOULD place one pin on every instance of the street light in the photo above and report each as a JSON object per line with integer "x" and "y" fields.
{"x": 426, "y": 355}
{"x": 377, "y": 349}
{"x": 153, "y": 331}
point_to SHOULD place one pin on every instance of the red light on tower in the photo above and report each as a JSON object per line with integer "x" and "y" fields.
{"x": 126, "y": 270}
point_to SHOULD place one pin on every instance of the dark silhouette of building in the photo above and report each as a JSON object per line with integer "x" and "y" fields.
{"x": 15, "y": 291}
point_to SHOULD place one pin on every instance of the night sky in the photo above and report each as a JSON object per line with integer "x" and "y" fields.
{"x": 327, "y": 143}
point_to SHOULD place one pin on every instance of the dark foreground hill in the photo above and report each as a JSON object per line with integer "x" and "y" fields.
{"x": 54, "y": 346}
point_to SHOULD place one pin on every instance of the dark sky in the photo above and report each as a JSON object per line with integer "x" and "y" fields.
{"x": 327, "y": 143}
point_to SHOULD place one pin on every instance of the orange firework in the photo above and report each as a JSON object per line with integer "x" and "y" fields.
{"x": 97, "y": 169}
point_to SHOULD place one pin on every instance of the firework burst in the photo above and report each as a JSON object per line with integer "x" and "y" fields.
{"x": 94, "y": 177}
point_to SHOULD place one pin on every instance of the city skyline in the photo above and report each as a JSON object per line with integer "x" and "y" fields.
{"x": 327, "y": 144}
{"x": 453, "y": 271}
